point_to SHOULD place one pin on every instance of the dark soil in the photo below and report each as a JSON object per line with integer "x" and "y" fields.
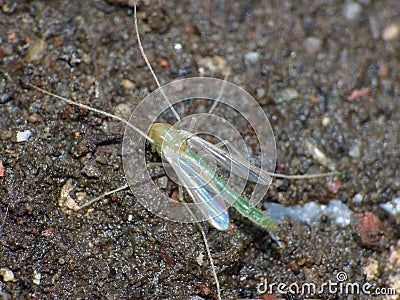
{"x": 323, "y": 51}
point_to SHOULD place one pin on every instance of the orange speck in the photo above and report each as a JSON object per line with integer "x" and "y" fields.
{"x": 11, "y": 35}
{"x": 164, "y": 63}
{"x": 1, "y": 169}
{"x": 174, "y": 196}
{"x": 334, "y": 186}
{"x": 364, "y": 91}
{"x": 369, "y": 228}
{"x": 313, "y": 98}
{"x": 56, "y": 42}
{"x": 189, "y": 29}
{"x": 205, "y": 290}
{"x": 269, "y": 297}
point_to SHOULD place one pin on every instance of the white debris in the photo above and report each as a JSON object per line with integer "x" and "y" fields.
{"x": 391, "y": 32}
{"x": 178, "y": 46}
{"x": 312, "y": 44}
{"x": 251, "y": 57}
{"x": 310, "y": 212}
{"x": 66, "y": 202}
{"x": 357, "y": 198}
{"x": 200, "y": 259}
{"x": 392, "y": 207}
{"x": 8, "y": 275}
{"x": 36, "y": 278}
{"x": 355, "y": 150}
{"x": 23, "y": 136}
{"x": 320, "y": 156}
{"x": 351, "y": 10}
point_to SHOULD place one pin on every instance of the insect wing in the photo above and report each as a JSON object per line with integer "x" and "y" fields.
{"x": 234, "y": 164}
{"x": 199, "y": 185}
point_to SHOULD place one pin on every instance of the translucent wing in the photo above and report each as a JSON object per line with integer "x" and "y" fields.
{"x": 198, "y": 181}
{"x": 234, "y": 164}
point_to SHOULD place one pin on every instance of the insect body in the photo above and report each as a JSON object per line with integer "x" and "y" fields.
{"x": 202, "y": 183}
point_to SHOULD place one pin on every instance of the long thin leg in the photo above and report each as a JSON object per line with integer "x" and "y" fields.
{"x": 214, "y": 272}
{"x": 125, "y": 186}
{"x": 278, "y": 175}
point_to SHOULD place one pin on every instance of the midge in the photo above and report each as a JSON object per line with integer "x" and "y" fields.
{"x": 181, "y": 150}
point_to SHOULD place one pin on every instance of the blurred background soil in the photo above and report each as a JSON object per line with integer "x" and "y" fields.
{"x": 324, "y": 71}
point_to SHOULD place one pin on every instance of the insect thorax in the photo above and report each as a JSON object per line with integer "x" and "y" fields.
{"x": 164, "y": 135}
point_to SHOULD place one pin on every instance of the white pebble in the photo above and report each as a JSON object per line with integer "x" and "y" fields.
{"x": 200, "y": 259}
{"x": 351, "y": 10}
{"x": 326, "y": 121}
{"x": 8, "y": 275}
{"x": 251, "y": 57}
{"x": 260, "y": 92}
{"x": 392, "y": 207}
{"x": 36, "y": 278}
{"x": 358, "y": 198}
{"x": 178, "y": 46}
{"x": 391, "y": 32}
{"x": 310, "y": 212}
{"x": 355, "y": 150}
{"x": 23, "y": 136}
{"x": 312, "y": 44}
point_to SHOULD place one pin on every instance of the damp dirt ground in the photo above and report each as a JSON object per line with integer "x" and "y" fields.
{"x": 323, "y": 71}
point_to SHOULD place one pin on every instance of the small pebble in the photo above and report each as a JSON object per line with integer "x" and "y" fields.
{"x": 123, "y": 110}
{"x": 36, "y": 51}
{"x": 369, "y": 228}
{"x": 334, "y": 186}
{"x": 371, "y": 269}
{"x": 66, "y": 202}
{"x": 383, "y": 71}
{"x": 260, "y": 92}
{"x": 36, "y": 278}
{"x": 358, "y": 198}
{"x": 286, "y": 95}
{"x": 310, "y": 212}
{"x": 351, "y": 10}
{"x": 312, "y": 44}
{"x": 91, "y": 171}
{"x": 215, "y": 64}
{"x": 128, "y": 85}
{"x": 364, "y": 91}
{"x": 392, "y": 207}
{"x": 8, "y": 275}
{"x": 178, "y": 46}
{"x": 251, "y": 57}
{"x": 320, "y": 156}
{"x": 23, "y": 136}
{"x": 35, "y": 118}
{"x": 6, "y": 96}
{"x": 200, "y": 259}
{"x": 162, "y": 182}
{"x": 6, "y": 135}
{"x": 355, "y": 150}
{"x": 326, "y": 121}
{"x": 1, "y": 169}
{"x": 391, "y": 32}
